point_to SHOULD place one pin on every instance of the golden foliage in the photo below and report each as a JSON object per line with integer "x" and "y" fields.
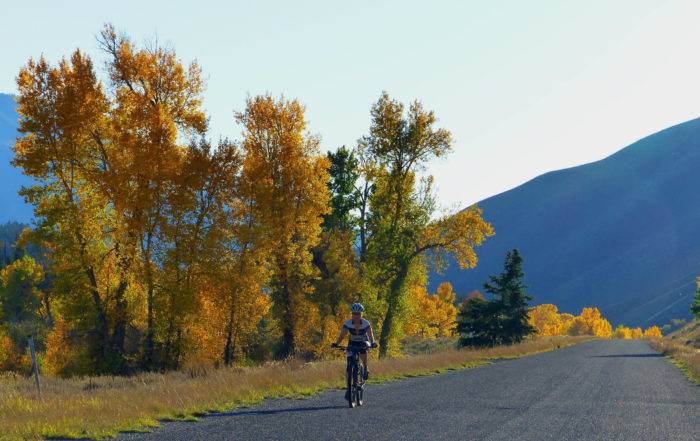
{"x": 623, "y": 332}
{"x": 10, "y": 357}
{"x": 291, "y": 195}
{"x": 64, "y": 357}
{"x": 590, "y": 322}
{"x": 652, "y": 332}
{"x": 433, "y": 315}
{"x": 456, "y": 235}
{"x": 546, "y": 320}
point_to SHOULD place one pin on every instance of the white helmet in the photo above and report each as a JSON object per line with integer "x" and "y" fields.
{"x": 357, "y": 307}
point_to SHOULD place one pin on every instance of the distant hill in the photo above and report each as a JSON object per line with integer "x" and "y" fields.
{"x": 12, "y": 206}
{"x": 622, "y": 233}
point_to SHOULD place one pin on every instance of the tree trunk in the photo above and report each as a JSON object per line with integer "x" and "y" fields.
{"x": 387, "y": 326}
{"x": 228, "y": 349}
{"x": 102, "y": 326}
{"x": 120, "y": 322}
{"x": 149, "y": 331}
{"x": 149, "y": 300}
{"x": 395, "y": 289}
{"x": 288, "y": 340}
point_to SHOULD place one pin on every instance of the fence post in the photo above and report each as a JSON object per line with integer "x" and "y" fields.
{"x": 35, "y": 365}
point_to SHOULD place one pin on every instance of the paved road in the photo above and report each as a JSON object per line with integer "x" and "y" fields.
{"x": 601, "y": 390}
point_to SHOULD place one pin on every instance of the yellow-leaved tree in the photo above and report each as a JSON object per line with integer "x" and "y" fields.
{"x": 652, "y": 332}
{"x": 591, "y": 322}
{"x": 546, "y": 320}
{"x": 105, "y": 160}
{"x": 290, "y": 194}
{"x": 432, "y": 315}
{"x": 622, "y": 332}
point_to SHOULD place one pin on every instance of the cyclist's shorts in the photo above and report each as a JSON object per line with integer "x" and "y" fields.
{"x": 360, "y": 347}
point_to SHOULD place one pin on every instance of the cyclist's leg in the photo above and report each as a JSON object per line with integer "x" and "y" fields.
{"x": 363, "y": 357}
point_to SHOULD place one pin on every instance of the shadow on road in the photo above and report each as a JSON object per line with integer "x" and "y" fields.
{"x": 274, "y": 411}
{"x": 651, "y": 355}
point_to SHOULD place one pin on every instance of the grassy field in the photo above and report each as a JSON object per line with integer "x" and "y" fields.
{"x": 99, "y": 407}
{"x": 685, "y": 356}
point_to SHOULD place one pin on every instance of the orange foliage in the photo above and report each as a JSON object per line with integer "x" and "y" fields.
{"x": 291, "y": 195}
{"x": 62, "y": 356}
{"x": 10, "y": 357}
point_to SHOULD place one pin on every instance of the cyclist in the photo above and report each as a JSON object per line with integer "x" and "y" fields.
{"x": 360, "y": 335}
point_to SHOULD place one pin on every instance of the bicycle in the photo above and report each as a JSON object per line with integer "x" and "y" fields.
{"x": 355, "y": 379}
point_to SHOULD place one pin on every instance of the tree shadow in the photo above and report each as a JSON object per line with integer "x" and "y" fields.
{"x": 274, "y": 411}
{"x": 648, "y": 355}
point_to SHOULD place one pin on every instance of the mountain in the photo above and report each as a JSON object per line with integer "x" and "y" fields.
{"x": 621, "y": 233}
{"x": 12, "y": 206}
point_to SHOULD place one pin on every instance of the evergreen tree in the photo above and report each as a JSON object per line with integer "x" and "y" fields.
{"x": 343, "y": 173}
{"x": 695, "y": 308}
{"x": 504, "y": 319}
{"x": 478, "y": 323}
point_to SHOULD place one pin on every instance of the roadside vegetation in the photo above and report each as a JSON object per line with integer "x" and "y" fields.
{"x": 683, "y": 345}
{"x": 686, "y": 357}
{"x": 102, "y": 406}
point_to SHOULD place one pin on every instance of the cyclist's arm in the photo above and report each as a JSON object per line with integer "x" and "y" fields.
{"x": 370, "y": 335}
{"x": 343, "y": 333}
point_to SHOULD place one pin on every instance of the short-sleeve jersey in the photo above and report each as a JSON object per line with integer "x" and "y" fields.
{"x": 357, "y": 335}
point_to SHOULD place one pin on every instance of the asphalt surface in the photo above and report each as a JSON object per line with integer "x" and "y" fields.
{"x": 600, "y": 390}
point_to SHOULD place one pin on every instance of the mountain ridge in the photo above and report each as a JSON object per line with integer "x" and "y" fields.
{"x": 593, "y": 233}
{"x": 12, "y": 206}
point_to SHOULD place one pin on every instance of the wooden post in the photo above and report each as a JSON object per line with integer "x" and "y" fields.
{"x": 35, "y": 365}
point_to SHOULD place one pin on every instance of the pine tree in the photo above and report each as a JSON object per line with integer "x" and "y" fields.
{"x": 344, "y": 173}
{"x": 503, "y": 320}
{"x": 695, "y": 308}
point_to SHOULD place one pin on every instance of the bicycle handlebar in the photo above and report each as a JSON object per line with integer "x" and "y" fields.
{"x": 345, "y": 348}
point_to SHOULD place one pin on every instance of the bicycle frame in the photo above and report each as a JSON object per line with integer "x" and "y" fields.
{"x": 355, "y": 380}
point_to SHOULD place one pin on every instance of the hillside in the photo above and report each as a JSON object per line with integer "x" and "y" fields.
{"x": 620, "y": 233}
{"x": 688, "y": 335}
{"x": 12, "y": 207}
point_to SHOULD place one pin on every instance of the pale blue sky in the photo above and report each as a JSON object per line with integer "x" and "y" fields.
{"x": 525, "y": 86}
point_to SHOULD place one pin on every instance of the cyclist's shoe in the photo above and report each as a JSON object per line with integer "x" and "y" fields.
{"x": 365, "y": 375}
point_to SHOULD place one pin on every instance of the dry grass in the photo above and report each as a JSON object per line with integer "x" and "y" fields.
{"x": 102, "y": 406}
{"x": 686, "y": 357}
{"x": 688, "y": 335}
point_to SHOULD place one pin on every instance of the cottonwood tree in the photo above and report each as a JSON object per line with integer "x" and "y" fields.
{"x": 103, "y": 156}
{"x": 291, "y": 196}
{"x": 400, "y": 232}
{"x": 546, "y": 320}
